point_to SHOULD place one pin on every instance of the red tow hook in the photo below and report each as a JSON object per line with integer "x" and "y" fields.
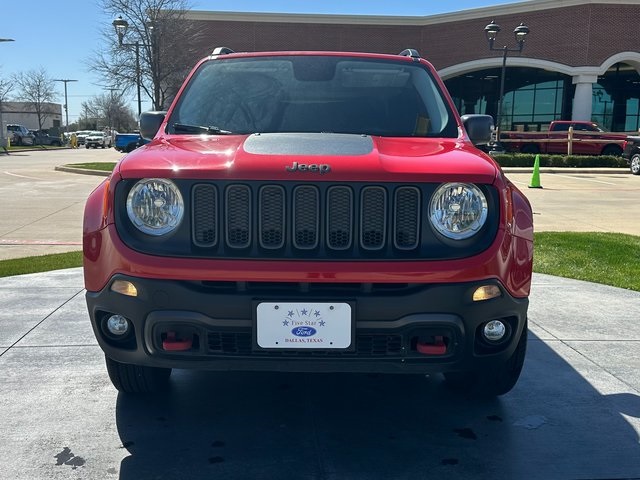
{"x": 173, "y": 344}
{"x": 436, "y": 348}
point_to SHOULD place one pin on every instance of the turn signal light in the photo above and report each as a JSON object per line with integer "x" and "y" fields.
{"x": 124, "y": 287}
{"x": 486, "y": 292}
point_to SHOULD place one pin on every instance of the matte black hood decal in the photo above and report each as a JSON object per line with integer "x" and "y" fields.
{"x": 321, "y": 144}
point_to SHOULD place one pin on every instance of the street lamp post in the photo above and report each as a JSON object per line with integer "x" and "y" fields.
{"x": 491, "y": 32}
{"x": 66, "y": 104}
{"x": 121, "y": 26}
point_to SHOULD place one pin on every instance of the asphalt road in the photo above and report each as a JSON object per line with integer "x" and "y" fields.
{"x": 575, "y": 414}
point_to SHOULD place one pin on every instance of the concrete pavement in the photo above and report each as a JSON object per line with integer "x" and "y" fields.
{"x": 575, "y": 414}
{"x": 42, "y": 208}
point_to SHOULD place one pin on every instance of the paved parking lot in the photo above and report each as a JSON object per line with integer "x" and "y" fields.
{"x": 583, "y": 202}
{"x": 35, "y": 197}
{"x": 575, "y": 414}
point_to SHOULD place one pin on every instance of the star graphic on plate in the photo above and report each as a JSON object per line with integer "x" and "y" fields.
{"x": 321, "y": 323}
{"x": 290, "y": 314}
{"x": 285, "y": 323}
{"x": 303, "y": 312}
{"x": 317, "y": 313}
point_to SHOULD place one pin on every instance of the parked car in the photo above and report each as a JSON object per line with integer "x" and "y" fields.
{"x": 20, "y": 135}
{"x": 42, "y": 138}
{"x": 81, "y": 136}
{"x": 589, "y": 139}
{"x": 127, "y": 142}
{"x": 336, "y": 216}
{"x": 631, "y": 154}
{"x": 97, "y": 139}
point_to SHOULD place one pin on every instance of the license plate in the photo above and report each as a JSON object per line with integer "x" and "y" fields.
{"x": 303, "y": 325}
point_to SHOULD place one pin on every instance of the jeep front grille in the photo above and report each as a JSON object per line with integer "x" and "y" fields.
{"x": 306, "y": 218}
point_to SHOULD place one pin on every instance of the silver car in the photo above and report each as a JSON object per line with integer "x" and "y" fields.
{"x": 20, "y": 135}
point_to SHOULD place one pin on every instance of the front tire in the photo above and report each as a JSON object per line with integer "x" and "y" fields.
{"x": 635, "y": 164}
{"x": 137, "y": 378}
{"x": 494, "y": 382}
{"x": 613, "y": 150}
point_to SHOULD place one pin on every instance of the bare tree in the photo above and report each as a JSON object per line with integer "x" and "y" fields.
{"x": 6, "y": 86}
{"x": 37, "y": 89}
{"x": 165, "y": 43}
{"x": 109, "y": 110}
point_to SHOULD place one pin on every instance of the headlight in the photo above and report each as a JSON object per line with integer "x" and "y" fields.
{"x": 458, "y": 210}
{"x": 155, "y": 206}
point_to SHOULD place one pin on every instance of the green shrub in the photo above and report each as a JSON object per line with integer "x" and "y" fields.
{"x": 589, "y": 161}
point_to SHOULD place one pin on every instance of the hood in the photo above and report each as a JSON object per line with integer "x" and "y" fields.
{"x": 310, "y": 157}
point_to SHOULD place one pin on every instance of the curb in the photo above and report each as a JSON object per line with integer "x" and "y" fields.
{"x": 82, "y": 171}
{"x": 34, "y": 150}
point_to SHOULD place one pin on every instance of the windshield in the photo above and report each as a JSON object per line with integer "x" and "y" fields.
{"x": 313, "y": 94}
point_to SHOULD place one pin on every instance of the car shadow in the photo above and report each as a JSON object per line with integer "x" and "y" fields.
{"x": 554, "y": 424}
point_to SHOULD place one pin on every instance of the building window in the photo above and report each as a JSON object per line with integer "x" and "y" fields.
{"x": 533, "y": 97}
{"x": 616, "y": 99}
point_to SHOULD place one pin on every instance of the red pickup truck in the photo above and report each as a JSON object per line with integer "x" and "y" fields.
{"x": 589, "y": 138}
{"x": 310, "y": 212}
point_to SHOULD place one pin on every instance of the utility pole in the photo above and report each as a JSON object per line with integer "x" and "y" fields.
{"x": 66, "y": 109}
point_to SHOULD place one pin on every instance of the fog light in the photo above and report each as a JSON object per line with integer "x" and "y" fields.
{"x": 486, "y": 292}
{"x": 494, "y": 331}
{"x": 117, "y": 325}
{"x": 125, "y": 288}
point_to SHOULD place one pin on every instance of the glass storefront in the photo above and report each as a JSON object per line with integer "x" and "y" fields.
{"x": 616, "y": 99}
{"x": 532, "y": 99}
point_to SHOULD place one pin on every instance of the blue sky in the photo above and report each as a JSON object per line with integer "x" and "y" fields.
{"x": 62, "y": 38}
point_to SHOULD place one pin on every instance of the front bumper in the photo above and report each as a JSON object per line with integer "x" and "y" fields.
{"x": 389, "y": 322}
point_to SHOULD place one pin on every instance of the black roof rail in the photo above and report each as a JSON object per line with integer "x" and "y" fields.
{"x": 222, "y": 51}
{"x": 411, "y": 52}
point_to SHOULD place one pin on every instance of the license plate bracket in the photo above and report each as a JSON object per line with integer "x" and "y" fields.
{"x": 304, "y": 326}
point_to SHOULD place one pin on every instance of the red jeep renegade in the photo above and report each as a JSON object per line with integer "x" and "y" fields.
{"x": 310, "y": 212}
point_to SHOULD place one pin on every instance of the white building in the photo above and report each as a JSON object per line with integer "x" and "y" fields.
{"x": 24, "y": 114}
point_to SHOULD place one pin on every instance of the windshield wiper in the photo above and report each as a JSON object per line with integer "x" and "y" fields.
{"x": 210, "y": 130}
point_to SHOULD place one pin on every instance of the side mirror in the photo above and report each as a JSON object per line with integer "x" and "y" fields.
{"x": 150, "y": 123}
{"x": 479, "y": 128}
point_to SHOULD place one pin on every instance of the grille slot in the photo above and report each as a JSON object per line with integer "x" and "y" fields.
{"x": 339, "y": 218}
{"x": 373, "y": 218}
{"x": 272, "y": 216}
{"x": 306, "y": 217}
{"x": 238, "y": 216}
{"x": 205, "y": 215}
{"x": 406, "y": 226}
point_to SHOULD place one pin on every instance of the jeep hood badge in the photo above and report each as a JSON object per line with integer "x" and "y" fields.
{"x": 321, "y": 168}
